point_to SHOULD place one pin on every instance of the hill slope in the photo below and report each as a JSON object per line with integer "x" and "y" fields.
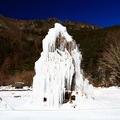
{"x": 21, "y": 45}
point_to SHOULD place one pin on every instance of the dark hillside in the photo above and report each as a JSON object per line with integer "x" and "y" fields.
{"x": 21, "y": 45}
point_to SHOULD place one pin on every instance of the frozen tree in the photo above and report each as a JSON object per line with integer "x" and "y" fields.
{"x": 58, "y": 70}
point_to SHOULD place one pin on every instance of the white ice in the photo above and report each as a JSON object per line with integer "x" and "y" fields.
{"x": 56, "y": 69}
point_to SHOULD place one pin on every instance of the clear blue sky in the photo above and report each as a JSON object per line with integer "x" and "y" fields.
{"x": 99, "y": 12}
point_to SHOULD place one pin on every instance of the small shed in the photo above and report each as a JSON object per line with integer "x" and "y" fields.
{"x": 19, "y": 85}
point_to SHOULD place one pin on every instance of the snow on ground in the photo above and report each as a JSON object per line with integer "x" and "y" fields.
{"x": 105, "y": 106}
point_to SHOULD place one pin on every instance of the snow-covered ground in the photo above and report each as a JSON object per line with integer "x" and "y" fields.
{"x": 105, "y": 106}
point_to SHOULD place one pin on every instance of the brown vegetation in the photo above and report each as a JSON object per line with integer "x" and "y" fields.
{"x": 21, "y": 45}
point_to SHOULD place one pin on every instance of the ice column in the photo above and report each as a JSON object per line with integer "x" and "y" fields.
{"x": 58, "y": 68}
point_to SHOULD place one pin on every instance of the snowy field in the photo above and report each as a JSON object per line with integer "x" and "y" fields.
{"x": 105, "y": 106}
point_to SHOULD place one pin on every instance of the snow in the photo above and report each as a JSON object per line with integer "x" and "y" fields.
{"x": 61, "y": 115}
{"x": 105, "y": 106}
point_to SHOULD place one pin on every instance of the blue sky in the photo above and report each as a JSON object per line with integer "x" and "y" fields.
{"x": 103, "y": 13}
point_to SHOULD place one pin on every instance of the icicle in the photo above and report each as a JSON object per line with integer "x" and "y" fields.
{"x": 57, "y": 68}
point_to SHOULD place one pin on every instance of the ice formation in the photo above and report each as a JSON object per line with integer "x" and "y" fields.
{"x": 58, "y": 69}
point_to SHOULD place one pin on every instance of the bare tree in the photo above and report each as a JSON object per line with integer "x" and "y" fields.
{"x": 111, "y": 57}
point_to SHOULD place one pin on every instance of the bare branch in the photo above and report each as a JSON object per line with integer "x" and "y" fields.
{"x": 111, "y": 57}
